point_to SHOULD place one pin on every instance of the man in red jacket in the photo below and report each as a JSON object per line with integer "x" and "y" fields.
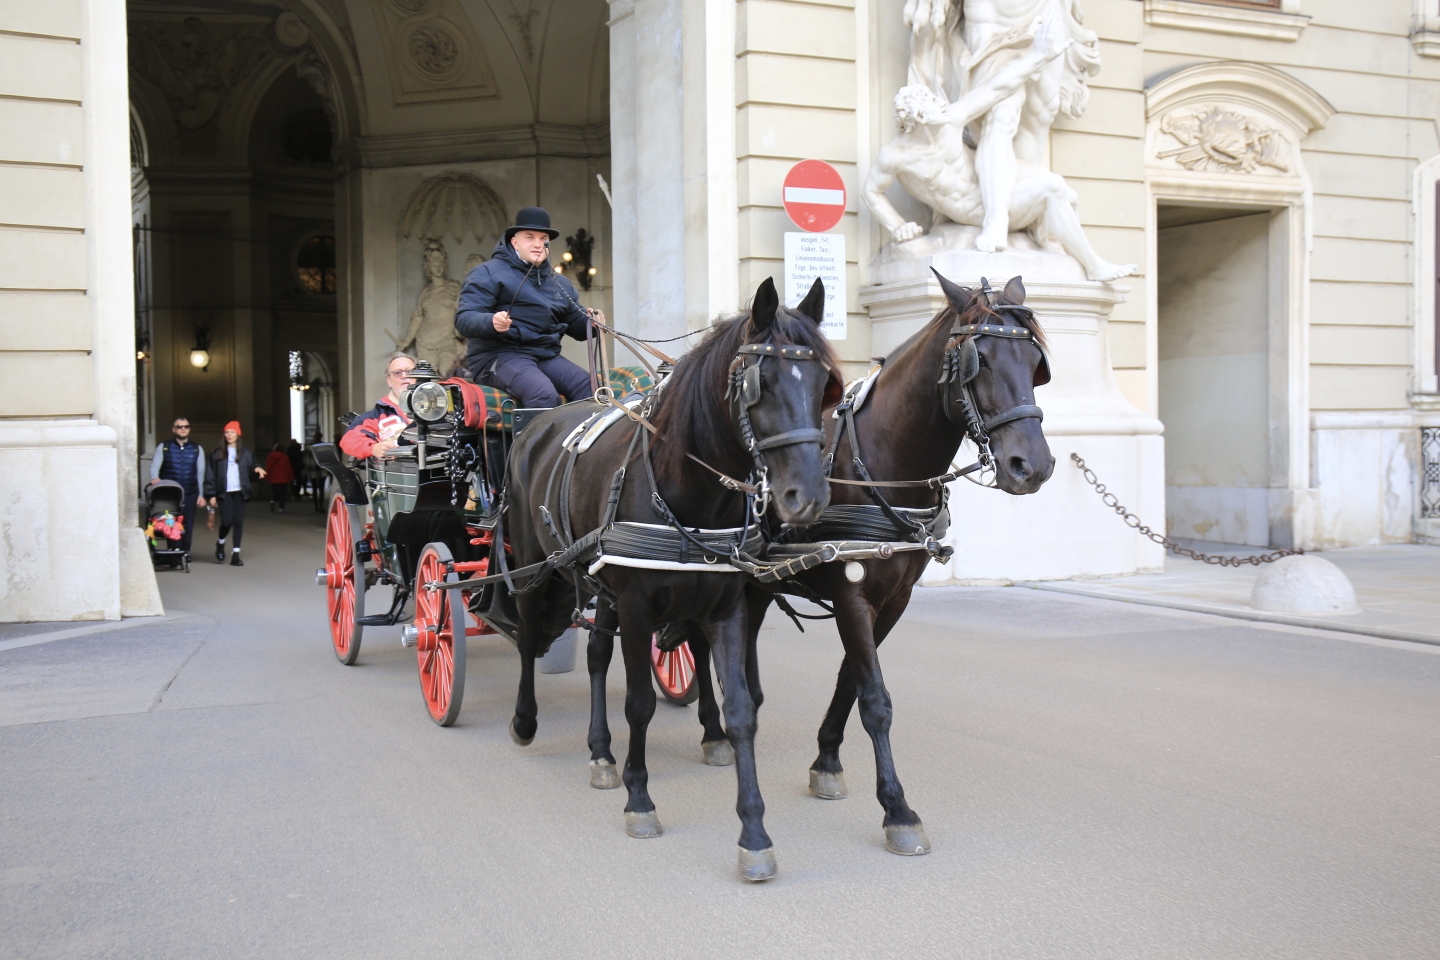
{"x": 377, "y": 432}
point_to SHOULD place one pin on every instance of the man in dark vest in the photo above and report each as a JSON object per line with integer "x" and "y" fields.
{"x": 514, "y": 308}
{"x": 183, "y": 461}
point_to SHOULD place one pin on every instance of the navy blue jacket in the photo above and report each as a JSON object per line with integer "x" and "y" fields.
{"x": 181, "y": 463}
{"x": 542, "y": 308}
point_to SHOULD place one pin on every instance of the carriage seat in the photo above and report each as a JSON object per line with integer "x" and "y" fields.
{"x": 623, "y": 381}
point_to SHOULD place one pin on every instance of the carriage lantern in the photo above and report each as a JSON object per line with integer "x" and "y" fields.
{"x": 427, "y": 399}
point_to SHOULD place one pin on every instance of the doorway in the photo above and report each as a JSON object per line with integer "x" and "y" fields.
{"x": 1216, "y": 288}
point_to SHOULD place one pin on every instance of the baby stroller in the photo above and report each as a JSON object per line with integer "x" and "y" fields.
{"x": 165, "y": 529}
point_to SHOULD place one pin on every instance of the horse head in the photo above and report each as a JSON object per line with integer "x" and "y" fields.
{"x": 783, "y": 376}
{"x": 995, "y": 359}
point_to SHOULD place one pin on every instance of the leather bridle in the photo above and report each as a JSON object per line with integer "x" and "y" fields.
{"x": 743, "y": 391}
{"x": 961, "y": 363}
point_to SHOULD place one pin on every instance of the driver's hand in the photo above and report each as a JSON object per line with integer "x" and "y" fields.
{"x": 383, "y": 448}
{"x": 597, "y": 315}
{"x": 501, "y": 321}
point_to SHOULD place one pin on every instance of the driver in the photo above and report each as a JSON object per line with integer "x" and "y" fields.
{"x": 514, "y": 308}
{"x": 377, "y": 432}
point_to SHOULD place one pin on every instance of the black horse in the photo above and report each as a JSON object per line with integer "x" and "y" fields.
{"x": 909, "y": 428}
{"x": 747, "y": 400}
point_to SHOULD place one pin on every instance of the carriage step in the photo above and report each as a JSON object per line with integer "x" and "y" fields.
{"x": 376, "y": 620}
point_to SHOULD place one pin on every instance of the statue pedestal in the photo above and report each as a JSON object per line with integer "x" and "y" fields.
{"x": 1063, "y": 531}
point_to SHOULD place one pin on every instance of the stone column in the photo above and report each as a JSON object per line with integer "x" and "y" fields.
{"x": 672, "y": 134}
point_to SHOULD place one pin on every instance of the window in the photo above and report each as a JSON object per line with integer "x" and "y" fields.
{"x": 315, "y": 265}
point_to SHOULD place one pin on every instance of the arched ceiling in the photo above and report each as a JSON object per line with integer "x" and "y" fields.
{"x": 385, "y": 69}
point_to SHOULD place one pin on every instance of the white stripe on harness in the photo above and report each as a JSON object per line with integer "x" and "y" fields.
{"x": 859, "y": 390}
{"x": 593, "y": 426}
{"x": 719, "y": 566}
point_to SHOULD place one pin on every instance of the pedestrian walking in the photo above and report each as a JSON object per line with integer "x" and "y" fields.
{"x": 297, "y": 463}
{"x": 227, "y": 485}
{"x": 277, "y": 465}
{"x": 183, "y": 461}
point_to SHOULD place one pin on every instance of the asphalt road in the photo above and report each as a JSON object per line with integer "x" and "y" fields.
{"x": 1098, "y": 780}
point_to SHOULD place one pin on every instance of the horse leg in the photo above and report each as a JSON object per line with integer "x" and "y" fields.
{"x": 904, "y": 833}
{"x": 714, "y": 743}
{"x": 603, "y": 774}
{"x": 641, "y": 819}
{"x": 757, "y": 853}
{"x": 524, "y": 723}
{"x": 827, "y": 776}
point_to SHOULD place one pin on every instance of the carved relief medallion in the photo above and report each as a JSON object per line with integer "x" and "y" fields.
{"x": 1212, "y": 138}
{"x": 434, "y": 51}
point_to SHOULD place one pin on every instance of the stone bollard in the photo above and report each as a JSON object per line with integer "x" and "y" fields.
{"x": 561, "y": 657}
{"x": 1303, "y": 584}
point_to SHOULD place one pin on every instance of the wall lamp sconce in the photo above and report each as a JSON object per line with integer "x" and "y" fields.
{"x": 200, "y": 353}
{"x": 577, "y": 257}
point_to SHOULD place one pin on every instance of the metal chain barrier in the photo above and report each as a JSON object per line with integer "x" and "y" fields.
{"x": 1133, "y": 522}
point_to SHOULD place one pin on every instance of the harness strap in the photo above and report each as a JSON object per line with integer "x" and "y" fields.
{"x": 726, "y": 481}
{"x": 792, "y": 437}
{"x": 1014, "y": 413}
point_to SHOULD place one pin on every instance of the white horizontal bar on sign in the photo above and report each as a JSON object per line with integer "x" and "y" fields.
{"x": 829, "y": 198}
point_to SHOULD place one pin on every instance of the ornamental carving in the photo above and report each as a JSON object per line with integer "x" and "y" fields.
{"x": 434, "y": 51}
{"x": 1211, "y": 138}
{"x": 456, "y": 204}
{"x": 196, "y": 66}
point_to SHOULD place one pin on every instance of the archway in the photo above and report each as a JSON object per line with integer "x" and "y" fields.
{"x": 1230, "y": 210}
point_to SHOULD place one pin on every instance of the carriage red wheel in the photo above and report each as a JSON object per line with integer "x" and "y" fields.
{"x": 440, "y": 637}
{"x": 674, "y": 672}
{"x": 344, "y": 582}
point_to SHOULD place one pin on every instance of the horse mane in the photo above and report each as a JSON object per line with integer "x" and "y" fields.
{"x": 693, "y": 413}
{"x": 943, "y": 322}
{"x": 981, "y": 312}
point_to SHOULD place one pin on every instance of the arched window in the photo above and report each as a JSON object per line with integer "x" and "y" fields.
{"x": 315, "y": 265}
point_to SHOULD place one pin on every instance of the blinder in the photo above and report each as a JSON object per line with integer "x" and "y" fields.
{"x": 961, "y": 364}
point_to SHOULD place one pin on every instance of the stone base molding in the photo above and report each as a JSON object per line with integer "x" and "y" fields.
{"x": 61, "y": 554}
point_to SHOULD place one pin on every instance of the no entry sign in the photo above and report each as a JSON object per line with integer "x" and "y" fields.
{"x": 814, "y": 195}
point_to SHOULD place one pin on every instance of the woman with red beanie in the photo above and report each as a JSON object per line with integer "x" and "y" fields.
{"x": 227, "y": 484}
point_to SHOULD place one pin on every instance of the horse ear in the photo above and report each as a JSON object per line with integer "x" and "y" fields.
{"x": 813, "y": 306}
{"x": 1015, "y": 290}
{"x": 959, "y": 297}
{"x": 762, "y": 313}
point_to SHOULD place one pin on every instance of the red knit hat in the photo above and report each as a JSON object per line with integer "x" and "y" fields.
{"x": 233, "y": 425}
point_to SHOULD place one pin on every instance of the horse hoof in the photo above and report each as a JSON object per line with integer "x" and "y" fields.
{"x": 757, "y": 866}
{"x": 829, "y": 786}
{"x": 907, "y": 839}
{"x": 519, "y": 740}
{"x": 719, "y": 753}
{"x": 604, "y": 775}
{"x": 643, "y": 824}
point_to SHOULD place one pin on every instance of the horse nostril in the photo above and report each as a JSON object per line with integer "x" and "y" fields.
{"x": 1019, "y": 467}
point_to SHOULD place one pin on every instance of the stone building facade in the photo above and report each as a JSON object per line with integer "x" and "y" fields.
{"x": 269, "y": 180}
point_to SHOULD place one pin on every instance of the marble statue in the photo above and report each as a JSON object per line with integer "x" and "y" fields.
{"x": 1007, "y": 69}
{"x": 432, "y": 324}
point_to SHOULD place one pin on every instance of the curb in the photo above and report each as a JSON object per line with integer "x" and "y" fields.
{"x": 104, "y": 626}
{"x": 1237, "y": 613}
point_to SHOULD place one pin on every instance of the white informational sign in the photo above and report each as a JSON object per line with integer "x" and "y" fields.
{"x": 811, "y": 255}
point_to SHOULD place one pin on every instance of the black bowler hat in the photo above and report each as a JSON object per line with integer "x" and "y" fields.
{"x": 531, "y": 218}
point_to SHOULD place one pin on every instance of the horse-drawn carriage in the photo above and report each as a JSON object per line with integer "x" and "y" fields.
{"x": 493, "y": 529}
{"x": 428, "y": 513}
